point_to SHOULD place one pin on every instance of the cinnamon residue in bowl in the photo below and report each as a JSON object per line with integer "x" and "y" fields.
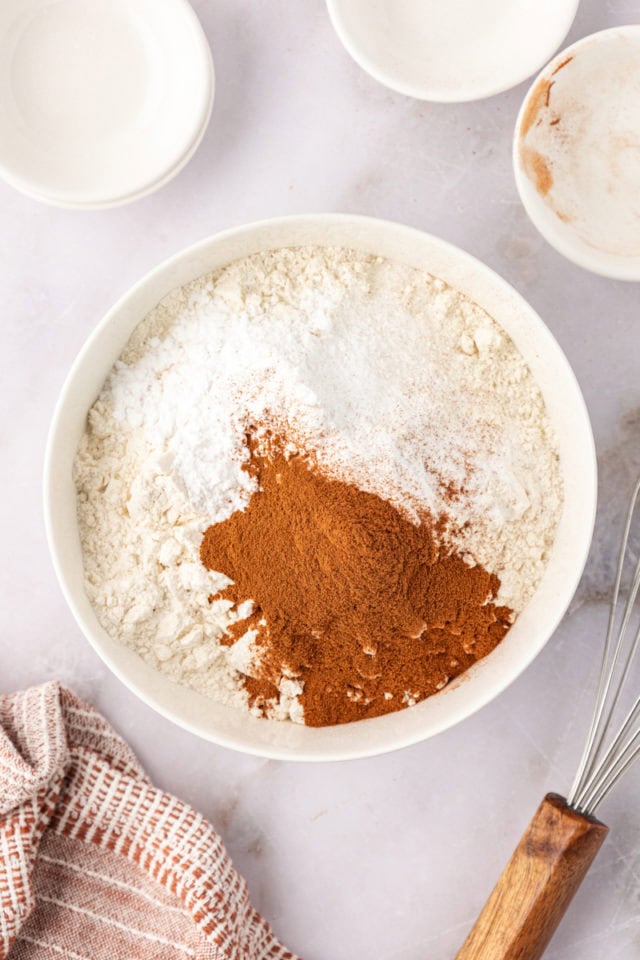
{"x": 368, "y": 610}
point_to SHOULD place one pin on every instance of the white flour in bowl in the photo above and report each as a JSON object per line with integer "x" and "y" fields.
{"x": 398, "y": 383}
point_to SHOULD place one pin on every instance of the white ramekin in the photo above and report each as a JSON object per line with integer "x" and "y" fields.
{"x": 451, "y": 52}
{"x": 592, "y": 80}
{"x": 101, "y": 101}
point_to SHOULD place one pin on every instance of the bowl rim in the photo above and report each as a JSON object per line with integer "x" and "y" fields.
{"x": 562, "y": 240}
{"x": 29, "y": 187}
{"x": 469, "y": 705}
{"x": 431, "y": 92}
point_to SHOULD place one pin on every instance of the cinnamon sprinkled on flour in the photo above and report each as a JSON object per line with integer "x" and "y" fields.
{"x": 369, "y": 611}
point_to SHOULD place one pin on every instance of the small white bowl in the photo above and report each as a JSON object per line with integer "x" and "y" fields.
{"x": 451, "y": 51}
{"x": 576, "y": 153}
{"x": 101, "y": 101}
{"x": 271, "y": 738}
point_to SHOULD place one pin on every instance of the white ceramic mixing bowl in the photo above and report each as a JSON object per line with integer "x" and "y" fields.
{"x": 235, "y": 728}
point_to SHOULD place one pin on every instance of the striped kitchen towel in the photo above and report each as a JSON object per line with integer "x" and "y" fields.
{"x": 95, "y": 863}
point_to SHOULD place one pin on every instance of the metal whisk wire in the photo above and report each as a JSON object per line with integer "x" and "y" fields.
{"x": 559, "y": 845}
{"x": 600, "y": 768}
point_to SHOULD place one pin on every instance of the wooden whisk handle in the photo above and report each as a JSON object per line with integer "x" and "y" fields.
{"x": 537, "y": 885}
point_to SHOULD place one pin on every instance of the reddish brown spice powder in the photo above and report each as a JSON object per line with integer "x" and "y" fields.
{"x": 538, "y": 111}
{"x": 366, "y": 608}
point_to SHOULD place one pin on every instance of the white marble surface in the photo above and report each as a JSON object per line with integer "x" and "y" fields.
{"x": 388, "y": 858}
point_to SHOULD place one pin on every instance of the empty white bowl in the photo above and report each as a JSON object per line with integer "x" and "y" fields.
{"x": 451, "y": 51}
{"x": 576, "y": 153}
{"x": 101, "y": 101}
{"x": 271, "y": 738}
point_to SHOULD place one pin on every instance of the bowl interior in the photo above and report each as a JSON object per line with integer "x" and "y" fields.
{"x": 566, "y": 408}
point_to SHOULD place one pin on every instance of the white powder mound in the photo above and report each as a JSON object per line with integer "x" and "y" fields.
{"x": 398, "y": 383}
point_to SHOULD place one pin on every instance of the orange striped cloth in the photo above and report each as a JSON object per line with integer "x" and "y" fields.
{"x": 95, "y": 863}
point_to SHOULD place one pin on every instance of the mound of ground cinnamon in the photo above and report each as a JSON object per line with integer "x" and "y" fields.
{"x": 370, "y": 611}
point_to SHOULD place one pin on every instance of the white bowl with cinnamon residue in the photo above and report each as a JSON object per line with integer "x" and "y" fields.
{"x": 576, "y": 153}
{"x": 238, "y": 729}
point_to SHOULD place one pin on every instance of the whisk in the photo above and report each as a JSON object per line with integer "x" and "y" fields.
{"x": 561, "y": 842}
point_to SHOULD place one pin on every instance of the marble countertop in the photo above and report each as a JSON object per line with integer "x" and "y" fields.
{"x": 389, "y": 858}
